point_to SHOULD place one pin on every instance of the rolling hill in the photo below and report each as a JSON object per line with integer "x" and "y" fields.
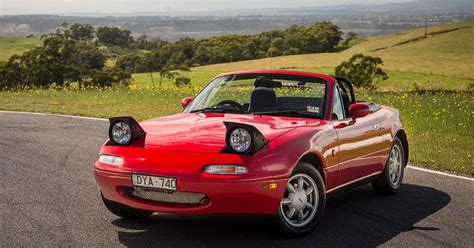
{"x": 448, "y": 50}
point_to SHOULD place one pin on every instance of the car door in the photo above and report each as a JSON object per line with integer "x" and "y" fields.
{"x": 359, "y": 153}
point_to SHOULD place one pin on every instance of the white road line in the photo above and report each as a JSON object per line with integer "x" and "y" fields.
{"x": 60, "y": 115}
{"x": 440, "y": 173}
{"x": 103, "y": 119}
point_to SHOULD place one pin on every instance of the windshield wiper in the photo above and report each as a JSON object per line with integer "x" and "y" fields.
{"x": 288, "y": 113}
{"x": 218, "y": 109}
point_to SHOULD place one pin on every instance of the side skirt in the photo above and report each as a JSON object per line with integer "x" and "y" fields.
{"x": 351, "y": 185}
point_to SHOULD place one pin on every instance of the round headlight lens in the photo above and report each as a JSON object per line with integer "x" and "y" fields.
{"x": 121, "y": 133}
{"x": 240, "y": 140}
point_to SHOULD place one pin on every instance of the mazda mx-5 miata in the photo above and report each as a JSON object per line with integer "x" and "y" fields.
{"x": 256, "y": 142}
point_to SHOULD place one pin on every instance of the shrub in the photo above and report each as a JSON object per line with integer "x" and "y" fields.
{"x": 362, "y": 71}
{"x": 108, "y": 78}
{"x": 182, "y": 81}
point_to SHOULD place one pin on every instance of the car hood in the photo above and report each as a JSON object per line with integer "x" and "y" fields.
{"x": 206, "y": 132}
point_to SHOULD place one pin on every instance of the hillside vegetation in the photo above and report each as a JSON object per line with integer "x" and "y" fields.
{"x": 77, "y": 54}
{"x": 448, "y": 50}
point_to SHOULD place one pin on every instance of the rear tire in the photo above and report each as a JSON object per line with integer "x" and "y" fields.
{"x": 392, "y": 177}
{"x": 303, "y": 202}
{"x": 125, "y": 211}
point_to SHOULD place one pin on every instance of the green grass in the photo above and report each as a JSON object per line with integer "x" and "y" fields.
{"x": 11, "y": 46}
{"x": 144, "y": 81}
{"x": 439, "y": 127}
{"x": 142, "y": 104}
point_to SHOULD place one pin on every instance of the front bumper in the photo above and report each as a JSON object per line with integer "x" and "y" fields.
{"x": 224, "y": 195}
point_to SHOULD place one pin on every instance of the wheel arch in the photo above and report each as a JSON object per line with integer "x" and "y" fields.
{"x": 401, "y": 134}
{"x": 316, "y": 161}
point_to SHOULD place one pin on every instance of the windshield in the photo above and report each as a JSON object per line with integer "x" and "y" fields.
{"x": 266, "y": 94}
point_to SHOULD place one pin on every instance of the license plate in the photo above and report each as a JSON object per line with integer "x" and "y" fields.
{"x": 168, "y": 183}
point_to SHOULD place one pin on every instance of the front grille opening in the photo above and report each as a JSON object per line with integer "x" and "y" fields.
{"x": 174, "y": 197}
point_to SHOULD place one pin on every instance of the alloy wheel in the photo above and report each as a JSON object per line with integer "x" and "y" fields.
{"x": 300, "y": 201}
{"x": 395, "y": 165}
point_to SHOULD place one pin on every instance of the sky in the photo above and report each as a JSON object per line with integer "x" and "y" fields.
{"x": 18, "y": 7}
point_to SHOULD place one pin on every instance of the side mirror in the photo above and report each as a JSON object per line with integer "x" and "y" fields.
{"x": 358, "y": 110}
{"x": 186, "y": 101}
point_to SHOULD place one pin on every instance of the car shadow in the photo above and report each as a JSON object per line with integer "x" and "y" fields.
{"x": 359, "y": 217}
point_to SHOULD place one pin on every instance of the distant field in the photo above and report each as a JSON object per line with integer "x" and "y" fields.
{"x": 11, "y": 46}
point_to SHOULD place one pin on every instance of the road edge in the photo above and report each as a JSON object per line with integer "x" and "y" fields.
{"x": 440, "y": 173}
{"x": 53, "y": 114}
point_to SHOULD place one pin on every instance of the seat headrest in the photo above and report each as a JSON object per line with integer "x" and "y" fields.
{"x": 263, "y": 99}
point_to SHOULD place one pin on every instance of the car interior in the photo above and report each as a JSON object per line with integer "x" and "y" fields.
{"x": 264, "y": 98}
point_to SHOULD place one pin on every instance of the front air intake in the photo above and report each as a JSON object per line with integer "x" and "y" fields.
{"x": 186, "y": 198}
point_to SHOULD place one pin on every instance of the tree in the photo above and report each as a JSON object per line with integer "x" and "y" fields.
{"x": 57, "y": 62}
{"x": 326, "y": 35}
{"x": 141, "y": 41}
{"x": 129, "y": 61}
{"x": 112, "y": 77}
{"x": 113, "y": 36}
{"x": 11, "y": 73}
{"x": 362, "y": 71}
{"x": 349, "y": 37}
{"x": 83, "y": 32}
{"x": 167, "y": 73}
{"x": 80, "y": 59}
{"x": 277, "y": 46}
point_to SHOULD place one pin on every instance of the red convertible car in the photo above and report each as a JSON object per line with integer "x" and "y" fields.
{"x": 258, "y": 142}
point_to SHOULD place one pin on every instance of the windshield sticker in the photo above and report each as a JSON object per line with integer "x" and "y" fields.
{"x": 312, "y": 109}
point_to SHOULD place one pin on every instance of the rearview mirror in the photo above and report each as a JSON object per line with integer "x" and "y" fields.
{"x": 186, "y": 101}
{"x": 358, "y": 110}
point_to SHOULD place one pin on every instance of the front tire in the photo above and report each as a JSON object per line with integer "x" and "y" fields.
{"x": 303, "y": 202}
{"x": 124, "y": 211}
{"x": 390, "y": 180}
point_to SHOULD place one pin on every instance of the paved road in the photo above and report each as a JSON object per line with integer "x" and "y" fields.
{"x": 49, "y": 198}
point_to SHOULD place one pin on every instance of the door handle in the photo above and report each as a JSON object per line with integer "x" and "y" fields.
{"x": 376, "y": 127}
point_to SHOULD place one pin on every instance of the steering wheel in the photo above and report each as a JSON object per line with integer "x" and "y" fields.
{"x": 231, "y": 103}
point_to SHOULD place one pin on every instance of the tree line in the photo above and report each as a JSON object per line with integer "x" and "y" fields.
{"x": 189, "y": 52}
{"x": 77, "y": 53}
{"x": 59, "y": 62}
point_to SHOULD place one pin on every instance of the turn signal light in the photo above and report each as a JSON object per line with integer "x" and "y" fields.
{"x": 226, "y": 169}
{"x": 270, "y": 186}
{"x": 110, "y": 160}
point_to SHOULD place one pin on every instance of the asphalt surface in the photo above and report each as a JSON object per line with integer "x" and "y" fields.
{"x": 48, "y": 197}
